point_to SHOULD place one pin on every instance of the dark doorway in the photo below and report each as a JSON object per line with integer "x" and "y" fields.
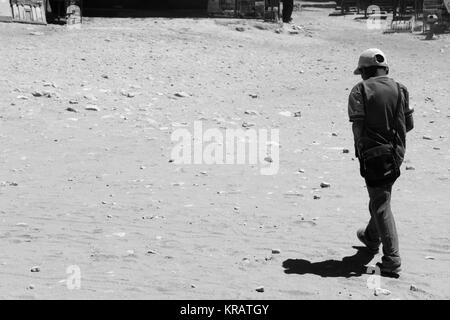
{"x": 145, "y": 8}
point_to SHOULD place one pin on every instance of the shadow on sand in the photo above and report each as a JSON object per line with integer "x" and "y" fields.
{"x": 351, "y": 266}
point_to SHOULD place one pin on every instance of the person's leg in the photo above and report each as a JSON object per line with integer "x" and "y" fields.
{"x": 288, "y": 7}
{"x": 383, "y": 219}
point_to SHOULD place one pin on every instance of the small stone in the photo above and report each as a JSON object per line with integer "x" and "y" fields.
{"x": 276, "y": 251}
{"x": 151, "y": 252}
{"x": 22, "y": 97}
{"x": 181, "y": 94}
{"x": 73, "y": 101}
{"x": 427, "y": 138}
{"x": 301, "y": 170}
{"x": 247, "y": 124}
{"x": 334, "y": 134}
{"x": 109, "y": 216}
{"x": 429, "y": 258}
{"x": 260, "y": 289}
{"x": 345, "y": 151}
{"x": 268, "y": 159}
{"x": 71, "y": 109}
{"x": 193, "y": 286}
{"x": 254, "y": 96}
{"x": 31, "y": 287}
{"x": 35, "y": 269}
{"x": 325, "y": 185}
{"x": 380, "y": 291}
{"x": 90, "y": 97}
{"x": 251, "y": 112}
{"x": 22, "y": 224}
{"x": 37, "y": 94}
{"x": 240, "y": 29}
{"x": 297, "y": 114}
{"x": 410, "y": 168}
{"x": 316, "y": 197}
{"x": 91, "y": 108}
{"x": 413, "y": 288}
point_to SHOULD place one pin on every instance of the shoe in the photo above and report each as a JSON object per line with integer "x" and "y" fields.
{"x": 393, "y": 271}
{"x": 361, "y": 234}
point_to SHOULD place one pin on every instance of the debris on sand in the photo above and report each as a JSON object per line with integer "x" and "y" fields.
{"x": 276, "y": 251}
{"x": 316, "y": 197}
{"x": 240, "y": 29}
{"x": 345, "y": 151}
{"x": 427, "y": 138}
{"x": 410, "y": 168}
{"x": 35, "y": 269}
{"x": 71, "y": 109}
{"x": 260, "y": 289}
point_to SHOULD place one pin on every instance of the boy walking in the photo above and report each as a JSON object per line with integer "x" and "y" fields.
{"x": 379, "y": 111}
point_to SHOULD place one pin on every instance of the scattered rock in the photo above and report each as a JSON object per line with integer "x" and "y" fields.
{"x": 410, "y": 168}
{"x": 22, "y": 224}
{"x": 71, "y": 109}
{"x": 251, "y": 112}
{"x": 316, "y": 197}
{"x": 345, "y": 151}
{"x": 247, "y": 124}
{"x": 31, "y": 287}
{"x": 240, "y": 29}
{"x": 413, "y": 288}
{"x": 276, "y": 251}
{"x": 380, "y": 291}
{"x": 37, "y": 33}
{"x": 297, "y": 114}
{"x": 35, "y": 269}
{"x": 182, "y": 94}
{"x": 254, "y": 96}
{"x": 268, "y": 159}
{"x": 427, "y": 138}
{"x": 301, "y": 170}
{"x": 334, "y": 134}
{"x": 22, "y": 97}
{"x": 91, "y": 108}
{"x": 73, "y": 102}
{"x": 260, "y": 289}
{"x": 325, "y": 185}
{"x": 429, "y": 258}
{"x": 285, "y": 113}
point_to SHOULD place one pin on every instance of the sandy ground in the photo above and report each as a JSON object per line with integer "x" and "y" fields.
{"x": 95, "y": 189}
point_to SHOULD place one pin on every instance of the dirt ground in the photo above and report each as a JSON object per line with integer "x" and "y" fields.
{"x": 96, "y": 189}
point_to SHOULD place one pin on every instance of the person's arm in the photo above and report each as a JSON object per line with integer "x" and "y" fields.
{"x": 358, "y": 129}
{"x": 409, "y": 121}
{"x": 356, "y": 115}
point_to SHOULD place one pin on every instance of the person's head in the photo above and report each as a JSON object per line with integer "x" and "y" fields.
{"x": 372, "y": 63}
